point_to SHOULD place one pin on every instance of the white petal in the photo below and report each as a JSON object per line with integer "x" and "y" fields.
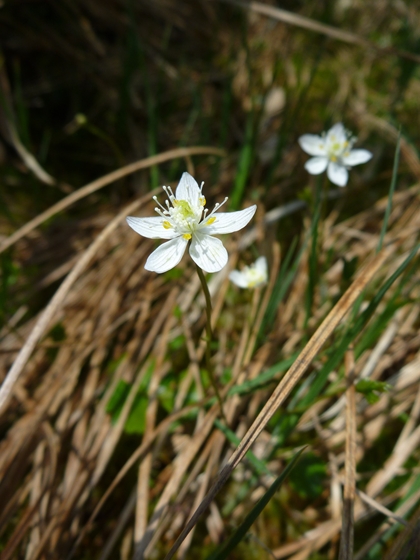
{"x": 316, "y": 165}
{"x": 238, "y": 278}
{"x": 261, "y": 266}
{"x": 167, "y": 255}
{"x": 208, "y": 252}
{"x": 357, "y": 156}
{"x": 337, "y": 174}
{"x": 312, "y": 144}
{"x": 228, "y": 222}
{"x": 339, "y": 132}
{"x": 151, "y": 228}
{"x": 188, "y": 189}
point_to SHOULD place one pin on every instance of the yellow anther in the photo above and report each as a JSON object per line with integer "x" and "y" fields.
{"x": 210, "y": 221}
{"x": 333, "y": 158}
{"x": 202, "y": 201}
{"x": 167, "y": 225}
{"x": 187, "y": 236}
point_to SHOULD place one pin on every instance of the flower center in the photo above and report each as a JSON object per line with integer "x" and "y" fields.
{"x": 338, "y": 148}
{"x": 183, "y": 209}
{"x": 254, "y": 276}
{"x": 185, "y": 216}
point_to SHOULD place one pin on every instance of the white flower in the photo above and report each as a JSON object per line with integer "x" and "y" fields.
{"x": 184, "y": 218}
{"x": 332, "y": 151}
{"x": 251, "y": 276}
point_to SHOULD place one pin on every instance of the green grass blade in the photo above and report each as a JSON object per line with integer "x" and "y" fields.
{"x": 313, "y": 257}
{"x": 258, "y": 465}
{"x": 284, "y": 279}
{"x": 261, "y": 381}
{"x": 242, "y": 530}
{"x": 391, "y": 192}
{"x": 244, "y": 166}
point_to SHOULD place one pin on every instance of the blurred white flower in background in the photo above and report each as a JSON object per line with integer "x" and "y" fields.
{"x": 184, "y": 218}
{"x": 252, "y": 276}
{"x": 333, "y": 152}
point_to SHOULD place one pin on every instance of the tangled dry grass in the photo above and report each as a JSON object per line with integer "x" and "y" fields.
{"x": 64, "y": 460}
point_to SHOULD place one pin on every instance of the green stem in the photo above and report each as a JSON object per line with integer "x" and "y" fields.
{"x": 209, "y": 339}
{"x": 313, "y": 257}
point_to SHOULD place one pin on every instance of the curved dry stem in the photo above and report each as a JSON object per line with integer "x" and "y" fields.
{"x": 102, "y": 182}
{"x": 328, "y": 30}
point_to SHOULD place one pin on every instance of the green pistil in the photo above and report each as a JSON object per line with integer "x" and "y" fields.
{"x": 185, "y": 208}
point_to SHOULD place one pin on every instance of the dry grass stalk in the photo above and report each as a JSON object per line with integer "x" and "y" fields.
{"x": 347, "y": 531}
{"x": 311, "y": 25}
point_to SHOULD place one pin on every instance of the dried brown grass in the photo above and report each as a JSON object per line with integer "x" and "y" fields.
{"x": 56, "y": 458}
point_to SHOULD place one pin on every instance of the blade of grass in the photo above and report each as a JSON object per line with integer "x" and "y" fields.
{"x": 261, "y": 380}
{"x": 258, "y": 465}
{"x": 244, "y": 165}
{"x": 253, "y": 515}
{"x": 391, "y": 192}
{"x": 313, "y": 257}
{"x": 347, "y": 530}
{"x": 283, "y": 282}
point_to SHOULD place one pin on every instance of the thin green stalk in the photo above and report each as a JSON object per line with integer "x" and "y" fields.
{"x": 391, "y": 192}
{"x": 209, "y": 339}
{"x": 313, "y": 257}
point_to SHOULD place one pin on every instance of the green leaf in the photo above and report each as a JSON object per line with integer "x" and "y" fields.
{"x": 308, "y": 477}
{"x": 117, "y": 400}
{"x": 136, "y": 420}
{"x": 369, "y": 388}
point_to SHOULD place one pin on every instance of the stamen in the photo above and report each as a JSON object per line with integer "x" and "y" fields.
{"x": 169, "y": 193}
{"x": 162, "y": 214}
{"x": 157, "y": 202}
{"x": 217, "y": 206}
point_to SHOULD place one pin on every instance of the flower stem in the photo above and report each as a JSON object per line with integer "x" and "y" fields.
{"x": 209, "y": 339}
{"x": 313, "y": 256}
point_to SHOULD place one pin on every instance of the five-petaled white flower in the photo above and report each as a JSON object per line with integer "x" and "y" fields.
{"x": 184, "y": 218}
{"x": 332, "y": 151}
{"x": 252, "y": 276}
